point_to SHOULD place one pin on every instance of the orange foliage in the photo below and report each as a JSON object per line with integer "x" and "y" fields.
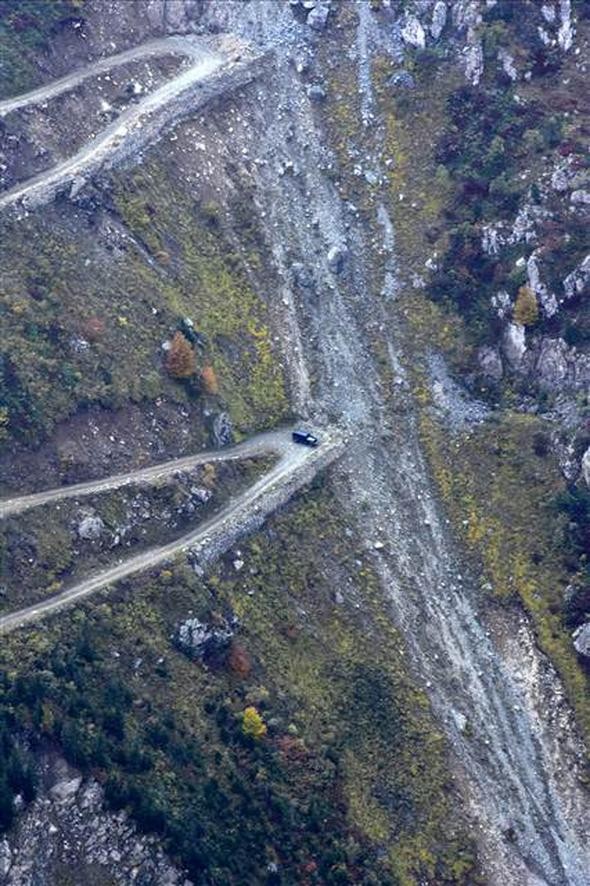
{"x": 291, "y": 747}
{"x": 239, "y": 661}
{"x": 93, "y": 328}
{"x": 181, "y": 361}
{"x": 209, "y": 379}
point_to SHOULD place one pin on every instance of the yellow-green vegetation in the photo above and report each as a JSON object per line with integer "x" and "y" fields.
{"x": 499, "y": 485}
{"x": 351, "y": 780}
{"x": 345, "y": 670}
{"x": 83, "y": 322}
{"x": 253, "y": 724}
{"x": 526, "y": 309}
{"x": 413, "y": 123}
{"x": 202, "y": 279}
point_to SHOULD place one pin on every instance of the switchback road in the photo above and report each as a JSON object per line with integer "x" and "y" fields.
{"x": 296, "y": 466}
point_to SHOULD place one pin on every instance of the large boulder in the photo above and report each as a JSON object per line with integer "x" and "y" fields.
{"x": 317, "y": 18}
{"x": 439, "y": 19}
{"x": 316, "y": 93}
{"x": 576, "y": 283}
{"x": 586, "y": 467}
{"x": 200, "y": 640}
{"x": 403, "y": 80}
{"x": 552, "y": 364}
{"x": 547, "y": 299}
{"x": 581, "y": 638}
{"x": 413, "y": 33}
{"x": 508, "y": 64}
{"x": 565, "y": 34}
{"x": 490, "y": 363}
{"x": 222, "y": 430}
{"x": 66, "y": 789}
{"x": 301, "y": 275}
{"x": 336, "y": 258}
{"x": 513, "y": 344}
{"x": 561, "y": 177}
{"x": 581, "y": 197}
{"x": 472, "y": 57}
{"x": 90, "y": 528}
{"x": 5, "y": 857}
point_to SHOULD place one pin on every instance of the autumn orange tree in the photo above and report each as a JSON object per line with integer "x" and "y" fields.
{"x": 209, "y": 380}
{"x": 239, "y": 662}
{"x": 181, "y": 360}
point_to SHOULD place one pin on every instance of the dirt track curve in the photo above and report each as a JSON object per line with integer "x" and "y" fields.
{"x": 296, "y": 466}
{"x": 184, "y": 46}
{"x": 213, "y": 70}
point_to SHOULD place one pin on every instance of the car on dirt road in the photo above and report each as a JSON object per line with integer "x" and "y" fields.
{"x": 305, "y": 438}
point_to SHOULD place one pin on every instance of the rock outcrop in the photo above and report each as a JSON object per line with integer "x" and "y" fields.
{"x": 67, "y": 835}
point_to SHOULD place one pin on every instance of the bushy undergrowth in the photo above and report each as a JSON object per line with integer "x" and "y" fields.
{"x": 340, "y": 776}
{"x": 25, "y": 29}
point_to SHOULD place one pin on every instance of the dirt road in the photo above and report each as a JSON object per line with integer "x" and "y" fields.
{"x": 296, "y": 466}
{"x": 185, "y": 46}
{"x": 210, "y": 73}
{"x": 277, "y": 442}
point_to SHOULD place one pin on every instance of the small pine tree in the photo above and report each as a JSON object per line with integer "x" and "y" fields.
{"x": 526, "y": 309}
{"x": 252, "y": 723}
{"x": 181, "y": 361}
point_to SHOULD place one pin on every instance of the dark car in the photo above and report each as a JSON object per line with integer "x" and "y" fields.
{"x": 305, "y": 438}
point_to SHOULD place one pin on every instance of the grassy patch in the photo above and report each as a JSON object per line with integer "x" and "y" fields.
{"x": 413, "y": 120}
{"x": 499, "y": 486}
{"x": 84, "y": 319}
{"x": 25, "y": 30}
{"x": 205, "y": 279}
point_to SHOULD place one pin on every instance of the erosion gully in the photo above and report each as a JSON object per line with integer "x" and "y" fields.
{"x": 514, "y": 772}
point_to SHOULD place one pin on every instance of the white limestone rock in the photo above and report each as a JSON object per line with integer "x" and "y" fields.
{"x": 90, "y": 528}
{"x": 439, "y": 19}
{"x": 473, "y": 61}
{"x": 581, "y": 197}
{"x": 546, "y": 298}
{"x": 413, "y": 33}
{"x": 507, "y": 62}
{"x": 581, "y": 638}
{"x": 66, "y": 789}
{"x": 501, "y": 303}
{"x": 577, "y": 282}
{"x": 552, "y": 364}
{"x": 514, "y": 344}
{"x": 565, "y": 35}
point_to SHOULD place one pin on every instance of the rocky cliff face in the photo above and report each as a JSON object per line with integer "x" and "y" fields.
{"x": 66, "y": 836}
{"x": 382, "y": 226}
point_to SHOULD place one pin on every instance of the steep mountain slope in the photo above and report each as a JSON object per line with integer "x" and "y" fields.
{"x": 381, "y": 227}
